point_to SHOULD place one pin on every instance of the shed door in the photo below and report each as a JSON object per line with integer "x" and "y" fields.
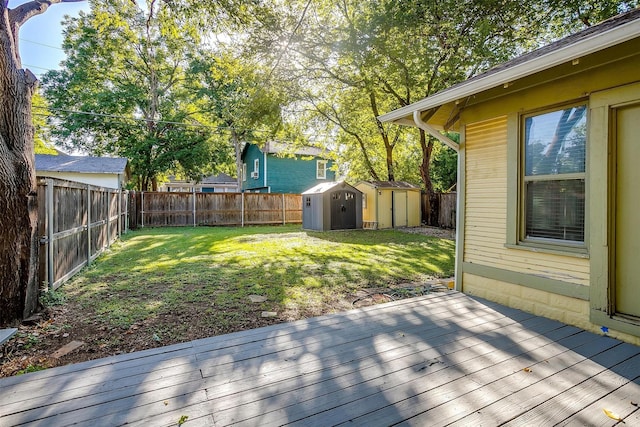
{"x": 627, "y": 211}
{"x": 399, "y": 208}
{"x": 343, "y": 210}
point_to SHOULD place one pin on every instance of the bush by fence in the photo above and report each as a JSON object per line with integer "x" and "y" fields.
{"x": 175, "y": 209}
{"x": 76, "y": 222}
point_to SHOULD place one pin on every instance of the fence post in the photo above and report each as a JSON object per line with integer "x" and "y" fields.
{"x": 89, "y": 205}
{"x": 242, "y": 209}
{"x": 193, "y": 194}
{"x": 119, "y": 203}
{"x": 126, "y": 211}
{"x": 142, "y": 209}
{"x": 49, "y": 210}
{"x": 108, "y": 218}
{"x": 284, "y": 212}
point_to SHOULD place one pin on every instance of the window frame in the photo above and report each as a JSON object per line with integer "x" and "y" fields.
{"x": 244, "y": 172}
{"x": 324, "y": 169}
{"x": 516, "y": 197}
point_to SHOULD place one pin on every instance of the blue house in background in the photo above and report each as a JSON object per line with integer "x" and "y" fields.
{"x": 279, "y": 168}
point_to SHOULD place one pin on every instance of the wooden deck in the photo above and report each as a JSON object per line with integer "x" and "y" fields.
{"x": 442, "y": 359}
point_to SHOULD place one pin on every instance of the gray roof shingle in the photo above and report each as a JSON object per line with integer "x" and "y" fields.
{"x": 82, "y": 164}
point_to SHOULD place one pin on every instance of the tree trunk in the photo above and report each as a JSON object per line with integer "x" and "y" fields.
{"x": 18, "y": 198}
{"x": 426, "y": 144}
{"x": 237, "y": 145}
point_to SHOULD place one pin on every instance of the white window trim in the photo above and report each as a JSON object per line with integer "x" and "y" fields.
{"x": 244, "y": 172}
{"x": 324, "y": 169}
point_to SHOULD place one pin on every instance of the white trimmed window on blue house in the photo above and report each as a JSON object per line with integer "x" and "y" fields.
{"x": 321, "y": 169}
{"x": 256, "y": 169}
{"x": 244, "y": 171}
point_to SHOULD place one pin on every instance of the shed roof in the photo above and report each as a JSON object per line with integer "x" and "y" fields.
{"x": 326, "y": 186}
{"x": 609, "y": 33}
{"x": 392, "y": 185}
{"x": 80, "y": 164}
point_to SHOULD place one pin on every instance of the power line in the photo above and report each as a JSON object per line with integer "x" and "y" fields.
{"x": 124, "y": 118}
{"x": 41, "y": 44}
{"x": 35, "y": 66}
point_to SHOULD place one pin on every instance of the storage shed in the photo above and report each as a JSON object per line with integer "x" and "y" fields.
{"x": 332, "y": 206}
{"x": 390, "y": 204}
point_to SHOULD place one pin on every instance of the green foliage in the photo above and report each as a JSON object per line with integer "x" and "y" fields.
{"x": 31, "y": 368}
{"x": 52, "y": 298}
{"x": 122, "y": 90}
{"x": 42, "y": 136}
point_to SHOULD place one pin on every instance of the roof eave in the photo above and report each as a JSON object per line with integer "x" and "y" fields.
{"x": 595, "y": 43}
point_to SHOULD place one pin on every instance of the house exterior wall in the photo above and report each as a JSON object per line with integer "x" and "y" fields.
{"x": 555, "y": 284}
{"x": 294, "y": 175}
{"x": 291, "y": 175}
{"x": 254, "y": 184}
{"x": 105, "y": 180}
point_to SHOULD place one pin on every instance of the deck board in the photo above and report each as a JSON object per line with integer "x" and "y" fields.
{"x": 440, "y": 359}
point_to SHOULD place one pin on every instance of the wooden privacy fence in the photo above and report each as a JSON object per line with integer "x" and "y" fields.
{"x": 447, "y": 203}
{"x": 76, "y": 222}
{"x": 443, "y": 206}
{"x": 174, "y": 209}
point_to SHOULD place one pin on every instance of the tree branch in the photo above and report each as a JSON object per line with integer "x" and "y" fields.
{"x": 24, "y": 12}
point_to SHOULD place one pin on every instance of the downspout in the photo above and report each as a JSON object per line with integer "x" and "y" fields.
{"x": 459, "y": 236}
{"x": 433, "y": 132}
{"x": 264, "y": 178}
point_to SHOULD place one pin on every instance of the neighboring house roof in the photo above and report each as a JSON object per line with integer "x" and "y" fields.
{"x": 611, "y": 32}
{"x": 273, "y": 147}
{"x": 221, "y": 178}
{"x": 80, "y": 164}
{"x": 392, "y": 185}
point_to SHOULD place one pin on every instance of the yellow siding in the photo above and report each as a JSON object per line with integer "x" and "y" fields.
{"x": 413, "y": 206}
{"x": 564, "y": 309}
{"x": 486, "y": 211}
{"x": 368, "y": 213}
{"x": 384, "y": 209}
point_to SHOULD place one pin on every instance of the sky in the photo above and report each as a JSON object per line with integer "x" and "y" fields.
{"x": 41, "y": 36}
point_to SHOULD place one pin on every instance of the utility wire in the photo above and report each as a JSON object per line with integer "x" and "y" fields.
{"x": 41, "y": 44}
{"x": 129, "y": 119}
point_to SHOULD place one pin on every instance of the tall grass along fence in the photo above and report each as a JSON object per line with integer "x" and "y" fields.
{"x": 76, "y": 222}
{"x": 175, "y": 209}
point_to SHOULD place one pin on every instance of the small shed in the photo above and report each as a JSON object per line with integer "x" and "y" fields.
{"x": 332, "y": 206}
{"x": 390, "y": 204}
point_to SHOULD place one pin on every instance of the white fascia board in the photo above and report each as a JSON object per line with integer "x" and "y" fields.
{"x": 581, "y": 48}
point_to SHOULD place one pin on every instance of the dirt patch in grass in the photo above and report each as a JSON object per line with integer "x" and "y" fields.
{"x": 33, "y": 347}
{"x": 110, "y": 311}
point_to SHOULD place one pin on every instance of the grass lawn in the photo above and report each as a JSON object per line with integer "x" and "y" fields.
{"x": 161, "y": 286}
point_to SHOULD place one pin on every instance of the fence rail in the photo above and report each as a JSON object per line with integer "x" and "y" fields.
{"x": 175, "y": 209}
{"x": 76, "y": 222}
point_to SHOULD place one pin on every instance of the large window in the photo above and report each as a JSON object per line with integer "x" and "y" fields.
{"x": 553, "y": 184}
